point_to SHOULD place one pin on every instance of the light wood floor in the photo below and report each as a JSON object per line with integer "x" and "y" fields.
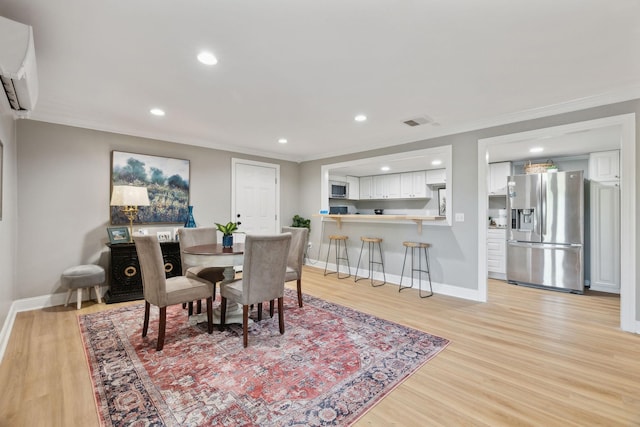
{"x": 528, "y": 357}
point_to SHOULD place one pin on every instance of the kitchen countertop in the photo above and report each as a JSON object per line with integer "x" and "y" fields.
{"x": 376, "y": 218}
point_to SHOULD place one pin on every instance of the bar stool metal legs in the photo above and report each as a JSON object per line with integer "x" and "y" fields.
{"x": 422, "y": 249}
{"x": 372, "y": 245}
{"x": 339, "y": 240}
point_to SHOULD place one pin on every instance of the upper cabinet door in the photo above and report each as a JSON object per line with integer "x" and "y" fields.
{"x": 437, "y": 177}
{"x": 354, "y": 187}
{"x": 604, "y": 166}
{"x": 366, "y": 187}
{"x": 498, "y": 174}
{"x": 414, "y": 185}
{"x": 386, "y": 186}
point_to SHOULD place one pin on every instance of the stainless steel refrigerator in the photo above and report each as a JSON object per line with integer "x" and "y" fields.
{"x": 545, "y": 231}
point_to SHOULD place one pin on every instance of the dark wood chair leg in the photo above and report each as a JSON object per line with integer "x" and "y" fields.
{"x": 299, "y": 293}
{"x": 162, "y": 327}
{"x": 145, "y": 325}
{"x": 271, "y": 308}
{"x": 190, "y": 308}
{"x": 210, "y": 314}
{"x": 245, "y": 325}
{"x": 199, "y": 306}
{"x": 259, "y": 311}
{"x": 223, "y": 312}
{"x": 281, "y": 314}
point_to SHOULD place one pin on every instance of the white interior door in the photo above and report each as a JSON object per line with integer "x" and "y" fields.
{"x": 255, "y": 200}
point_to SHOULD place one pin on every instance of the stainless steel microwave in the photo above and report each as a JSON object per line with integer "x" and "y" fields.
{"x": 338, "y": 190}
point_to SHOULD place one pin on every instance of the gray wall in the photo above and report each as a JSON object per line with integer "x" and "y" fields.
{"x": 62, "y": 177}
{"x": 454, "y": 250}
{"x": 64, "y": 182}
{"x": 9, "y": 222}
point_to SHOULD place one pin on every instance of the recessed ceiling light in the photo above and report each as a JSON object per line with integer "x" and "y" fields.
{"x": 207, "y": 58}
{"x": 360, "y": 118}
{"x": 536, "y": 150}
{"x": 157, "y": 112}
{"x": 436, "y": 162}
{"x": 282, "y": 141}
{"x": 385, "y": 168}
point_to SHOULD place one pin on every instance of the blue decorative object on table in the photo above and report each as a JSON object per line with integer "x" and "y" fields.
{"x": 190, "y": 222}
{"x": 227, "y": 241}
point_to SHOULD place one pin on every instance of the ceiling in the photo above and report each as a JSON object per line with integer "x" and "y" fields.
{"x": 301, "y": 69}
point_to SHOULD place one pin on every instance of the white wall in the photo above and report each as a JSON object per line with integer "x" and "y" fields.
{"x": 9, "y": 222}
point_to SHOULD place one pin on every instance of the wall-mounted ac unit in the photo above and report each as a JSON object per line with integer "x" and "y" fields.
{"x": 17, "y": 69}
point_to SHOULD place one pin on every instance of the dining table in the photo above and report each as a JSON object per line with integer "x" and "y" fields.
{"x": 216, "y": 255}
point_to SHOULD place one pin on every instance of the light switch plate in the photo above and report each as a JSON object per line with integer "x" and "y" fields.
{"x": 459, "y": 217}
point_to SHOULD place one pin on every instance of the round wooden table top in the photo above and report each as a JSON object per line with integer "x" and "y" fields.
{"x": 215, "y": 249}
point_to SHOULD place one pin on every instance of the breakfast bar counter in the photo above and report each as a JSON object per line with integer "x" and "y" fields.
{"x": 381, "y": 218}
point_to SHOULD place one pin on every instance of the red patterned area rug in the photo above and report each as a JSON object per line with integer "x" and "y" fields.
{"x": 332, "y": 365}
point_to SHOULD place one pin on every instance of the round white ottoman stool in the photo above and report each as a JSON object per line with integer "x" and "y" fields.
{"x": 80, "y": 277}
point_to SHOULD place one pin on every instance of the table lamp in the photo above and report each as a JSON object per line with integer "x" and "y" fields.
{"x": 129, "y": 197}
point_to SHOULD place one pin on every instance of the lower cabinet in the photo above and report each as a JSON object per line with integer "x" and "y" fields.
{"x": 497, "y": 253}
{"x": 125, "y": 278}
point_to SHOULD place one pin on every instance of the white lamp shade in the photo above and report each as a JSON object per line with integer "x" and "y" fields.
{"x": 128, "y": 195}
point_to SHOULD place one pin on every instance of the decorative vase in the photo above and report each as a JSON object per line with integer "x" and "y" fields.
{"x": 190, "y": 222}
{"x": 227, "y": 240}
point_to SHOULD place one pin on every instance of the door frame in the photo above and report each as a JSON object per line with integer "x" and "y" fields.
{"x": 628, "y": 273}
{"x": 234, "y": 163}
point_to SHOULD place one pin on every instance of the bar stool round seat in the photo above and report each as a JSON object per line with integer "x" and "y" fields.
{"x": 80, "y": 277}
{"x": 422, "y": 249}
{"x": 372, "y": 242}
{"x": 340, "y": 243}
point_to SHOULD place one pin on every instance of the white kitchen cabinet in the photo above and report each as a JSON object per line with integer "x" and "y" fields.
{"x": 414, "y": 185}
{"x": 437, "y": 177}
{"x": 366, "y": 187}
{"x": 604, "y": 166}
{"x": 498, "y": 173}
{"x": 386, "y": 186}
{"x": 605, "y": 236}
{"x": 354, "y": 187}
{"x": 497, "y": 253}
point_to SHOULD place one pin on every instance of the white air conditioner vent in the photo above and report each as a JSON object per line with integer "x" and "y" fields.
{"x": 17, "y": 68}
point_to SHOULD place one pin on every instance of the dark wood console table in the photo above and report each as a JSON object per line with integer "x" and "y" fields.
{"x": 126, "y": 281}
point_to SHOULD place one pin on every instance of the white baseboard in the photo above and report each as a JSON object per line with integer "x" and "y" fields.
{"x": 394, "y": 279}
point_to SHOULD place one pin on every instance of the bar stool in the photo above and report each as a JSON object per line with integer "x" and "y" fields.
{"x": 339, "y": 240}
{"x": 372, "y": 246}
{"x": 424, "y": 248}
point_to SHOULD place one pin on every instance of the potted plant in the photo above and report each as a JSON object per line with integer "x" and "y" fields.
{"x": 227, "y": 233}
{"x": 301, "y": 222}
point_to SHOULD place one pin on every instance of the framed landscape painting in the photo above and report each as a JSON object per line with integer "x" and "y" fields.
{"x": 167, "y": 182}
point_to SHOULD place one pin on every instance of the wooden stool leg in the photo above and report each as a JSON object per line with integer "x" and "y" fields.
{"x": 97, "y": 288}
{"x": 79, "y": 298}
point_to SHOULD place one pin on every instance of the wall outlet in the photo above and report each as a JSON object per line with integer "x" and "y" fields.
{"x": 459, "y": 217}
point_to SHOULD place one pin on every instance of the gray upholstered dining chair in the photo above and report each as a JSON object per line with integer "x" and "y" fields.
{"x": 295, "y": 259}
{"x": 263, "y": 271}
{"x": 193, "y": 237}
{"x": 163, "y": 292}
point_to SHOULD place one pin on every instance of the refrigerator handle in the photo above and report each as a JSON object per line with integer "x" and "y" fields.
{"x": 542, "y": 197}
{"x": 541, "y": 245}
